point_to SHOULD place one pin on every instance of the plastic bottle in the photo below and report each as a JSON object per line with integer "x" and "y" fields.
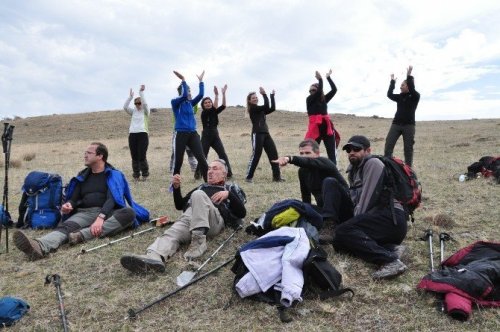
{"x": 462, "y": 178}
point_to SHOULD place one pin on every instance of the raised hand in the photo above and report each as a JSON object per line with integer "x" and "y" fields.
{"x": 262, "y": 91}
{"x": 408, "y": 71}
{"x": 392, "y": 77}
{"x": 224, "y": 88}
{"x": 318, "y": 75}
{"x": 273, "y": 92}
{"x": 179, "y": 75}
{"x": 200, "y": 77}
{"x": 216, "y": 91}
{"x": 143, "y": 87}
{"x": 329, "y": 73}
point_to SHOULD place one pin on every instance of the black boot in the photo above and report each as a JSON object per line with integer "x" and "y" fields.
{"x": 136, "y": 169}
{"x": 144, "y": 168}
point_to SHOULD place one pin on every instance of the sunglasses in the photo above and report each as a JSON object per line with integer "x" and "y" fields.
{"x": 312, "y": 90}
{"x": 137, "y": 103}
{"x": 353, "y": 148}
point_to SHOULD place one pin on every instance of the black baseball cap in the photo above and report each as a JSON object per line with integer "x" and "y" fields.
{"x": 358, "y": 141}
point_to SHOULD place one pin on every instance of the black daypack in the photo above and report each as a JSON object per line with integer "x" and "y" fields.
{"x": 400, "y": 183}
{"x": 320, "y": 276}
{"x": 41, "y": 201}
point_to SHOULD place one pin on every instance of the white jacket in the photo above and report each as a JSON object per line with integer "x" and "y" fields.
{"x": 276, "y": 256}
{"x": 140, "y": 119}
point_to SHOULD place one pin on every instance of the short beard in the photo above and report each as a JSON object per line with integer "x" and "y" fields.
{"x": 355, "y": 162}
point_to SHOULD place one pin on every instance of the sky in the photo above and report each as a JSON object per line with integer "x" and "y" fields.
{"x": 83, "y": 56}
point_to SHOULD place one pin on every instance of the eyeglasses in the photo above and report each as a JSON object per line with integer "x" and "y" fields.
{"x": 354, "y": 148}
{"x": 88, "y": 152}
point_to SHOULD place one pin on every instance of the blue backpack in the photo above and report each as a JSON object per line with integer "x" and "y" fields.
{"x": 11, "y": 310}
{"x": 41, "y": 202}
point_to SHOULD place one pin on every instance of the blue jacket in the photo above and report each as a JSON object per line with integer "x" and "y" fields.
{"x": 183, "y": 109}
{"x": 118, "y": 185}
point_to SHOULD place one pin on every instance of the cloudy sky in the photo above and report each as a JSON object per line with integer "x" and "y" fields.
{"x": 79, "y": 56}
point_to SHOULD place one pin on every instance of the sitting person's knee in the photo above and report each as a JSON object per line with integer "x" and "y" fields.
{"x": 124, "y": 216}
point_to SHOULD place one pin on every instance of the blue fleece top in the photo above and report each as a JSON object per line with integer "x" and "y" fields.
{"x": 183, "y": 108}
{"x": 118, "y": 185}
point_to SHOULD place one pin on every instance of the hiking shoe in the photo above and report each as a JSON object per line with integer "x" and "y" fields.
{"x": 75, "y": 238}
{"x": 279, "y": 180}
{"x": 400, "y": 250}
{"x": 142, "y": 263}
{"x": 249, "y": 180}
{"x": 30, "y": 247}
{"x": 197, "y": 247}
{"x": 390, "y": 270}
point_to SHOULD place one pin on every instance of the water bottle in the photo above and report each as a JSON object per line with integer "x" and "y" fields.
{"x": 462, "y": 178}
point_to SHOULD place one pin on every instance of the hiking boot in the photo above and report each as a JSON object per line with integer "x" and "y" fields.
{"x": 197, "y": 247}
{"x": 390, "y": 270}
{"x": 400, "y": 250}
{"x": 30, "y": 247}
{"x": 279, "y": 180}
{"x": 75, "y": 238}
{"x": 249, "y": 180}
{"x": 143, "y": 263}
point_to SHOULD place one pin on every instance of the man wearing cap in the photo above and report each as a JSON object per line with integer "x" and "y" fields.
{"x": 404, "y": 120}
{"x": 372, "y": 234}
{"x": 319, "y": 177}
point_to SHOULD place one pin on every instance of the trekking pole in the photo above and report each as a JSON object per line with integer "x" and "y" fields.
{"x": 159, "y": 222}
{"x": 443, "y": 237}
{"x": 56, "y": 280}
{"x": 6, "y": 143}
{"x": 428, "y": 237}
{"x": 187, "y": 276}
{"x": 132, "y": 314}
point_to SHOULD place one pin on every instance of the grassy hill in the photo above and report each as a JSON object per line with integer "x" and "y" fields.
{"x": 98, "y": 291}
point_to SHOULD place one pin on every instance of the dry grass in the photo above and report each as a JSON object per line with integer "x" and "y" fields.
{"x": 29, "y": 156}
{"x": 98, "y": 291}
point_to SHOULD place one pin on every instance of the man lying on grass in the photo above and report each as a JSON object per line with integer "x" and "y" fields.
{"x": 206, "y": 210}
{"x": 96, "y": 205}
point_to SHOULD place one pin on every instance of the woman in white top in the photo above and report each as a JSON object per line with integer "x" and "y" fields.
{"x": 138, "y": 139}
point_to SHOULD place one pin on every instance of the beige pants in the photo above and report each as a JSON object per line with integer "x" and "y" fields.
{"x": 200, "y": 213}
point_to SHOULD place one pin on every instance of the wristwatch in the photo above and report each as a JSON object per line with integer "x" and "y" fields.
{"x": 102, "y": 215}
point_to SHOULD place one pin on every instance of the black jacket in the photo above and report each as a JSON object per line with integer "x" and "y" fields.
{"x": 406, "y": 102}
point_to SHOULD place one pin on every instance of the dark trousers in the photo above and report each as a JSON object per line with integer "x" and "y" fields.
{"x": 210, "y": 139}
{"x": 372, "y": 236}
{"x": 408, "y": 132}
{"x": 191, "y": 139}
{"x": 328, "y": 140}
{"x": 337, "y": 204}
{"x": 263, "y": 141}
{"x": 138, "y": 145}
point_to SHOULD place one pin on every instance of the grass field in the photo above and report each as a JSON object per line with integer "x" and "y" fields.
{"x": 98, "y": 291}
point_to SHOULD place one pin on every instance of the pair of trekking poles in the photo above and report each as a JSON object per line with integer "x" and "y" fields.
{"x": 5, "y": 220}
{"x": 443, "y": 237}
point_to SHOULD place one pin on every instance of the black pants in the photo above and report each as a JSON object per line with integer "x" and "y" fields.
{"x": 263, "y": 141}
{"x": 336, "y": 202}
{"x": 210, "y": 139}
{"x": 138, "y": 145}
{"x": 408, "y": 132}
{"x": 191, "y": 139}
{"x": 370, "y": 236}
{"x": 328, "y": 140}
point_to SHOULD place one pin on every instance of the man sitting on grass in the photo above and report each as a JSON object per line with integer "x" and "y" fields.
{"x": 318, "y": 176}
{"x": 374, "y": 234}
{"x": 96, "y": 207}
{"x": 206, "y": 210}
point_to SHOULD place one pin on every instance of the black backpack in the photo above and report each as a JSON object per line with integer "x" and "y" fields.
{"x": 320, "y": 276}
{"x": 400, "y": 183}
